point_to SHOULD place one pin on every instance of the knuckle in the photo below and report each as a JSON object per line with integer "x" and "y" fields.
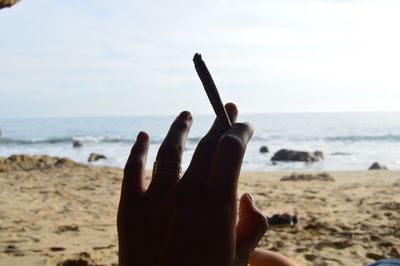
{"x": 208, "y": 140}
{"x": 181, "y": 125}
{"x": 261, "y": 222}
{"x": 167, "y": 149}
{"x": 246, "y": 127}
{"x": 233, "y": 143}
{"x": 133, "y": 164}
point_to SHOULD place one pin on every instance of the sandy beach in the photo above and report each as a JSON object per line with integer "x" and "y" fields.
{"x": 65, "y": 214}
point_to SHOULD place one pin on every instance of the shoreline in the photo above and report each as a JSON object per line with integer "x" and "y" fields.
{"x": 68, "y": 212}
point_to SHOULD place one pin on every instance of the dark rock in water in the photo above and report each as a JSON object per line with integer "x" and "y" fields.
{"x": 32, "y": 162}
{"x": 377, "y": 166}
{"x": 264, "y": 149}
{"x": 95, "y": 157}
{"x": 77, "y": 144}
{"x": 299, "y": 156}
{"x": 308, "y": 177}
{"x": 319, "y": 155}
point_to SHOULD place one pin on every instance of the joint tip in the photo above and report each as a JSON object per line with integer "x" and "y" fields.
{"x": 197, "y": 57}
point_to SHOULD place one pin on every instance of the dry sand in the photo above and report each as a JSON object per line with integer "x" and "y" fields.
{"x": 68, "y": 213}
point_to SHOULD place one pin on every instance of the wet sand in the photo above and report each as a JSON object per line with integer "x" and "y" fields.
{"x": 67, "y": 214}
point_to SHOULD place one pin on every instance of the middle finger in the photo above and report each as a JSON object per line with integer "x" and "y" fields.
{"x": 169, "y": 156}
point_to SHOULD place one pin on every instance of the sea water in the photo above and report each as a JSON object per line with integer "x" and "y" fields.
{"x": 349, "y": 141}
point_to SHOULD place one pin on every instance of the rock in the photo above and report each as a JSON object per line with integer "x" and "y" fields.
{"x": 7, "y": 3}
{"x": 82, "y": 259}
{"x": 299, "y": 156}
{"x": 319, "y": 155}
{"x": 310, "y": 257}
{"x": 374, "y": 256}
{"x": 308, "y": 177}
{"x": 264, "y": 149}
{"x": 3, "y": 167}
{"x": 95, "y": 157}
{"x": 13, "y": 250}
{"x": 394, "y": 252}
{"x": 33, "y": 162}
{"x": 66, "y": 228}
{"x": 55, "y": 249}
{"x": 377, "y": 166}
{"x": 392, "y": 206}
{"x": 76, "y": 262}
{"x": 77, "y": 144}
{"x": 65, "y": 162}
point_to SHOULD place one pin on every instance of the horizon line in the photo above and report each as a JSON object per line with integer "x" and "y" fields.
{"x": 200, "y": 114}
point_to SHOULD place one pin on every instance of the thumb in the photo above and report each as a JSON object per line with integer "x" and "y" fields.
{"x": 249, "y": 230}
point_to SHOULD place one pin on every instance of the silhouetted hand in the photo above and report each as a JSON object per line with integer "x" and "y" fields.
{"x": 189, "y": 221}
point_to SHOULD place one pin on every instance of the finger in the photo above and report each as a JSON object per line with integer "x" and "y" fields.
{"x": 227, "y": 161}
{"x": 171, "y": 151}
{"x": 134, "y": 172}
{"x": 250, "y": 229}
{"x": 200, "y": 164}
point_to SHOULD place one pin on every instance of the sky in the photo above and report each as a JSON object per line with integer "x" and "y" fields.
{"x": 92, "y": 58}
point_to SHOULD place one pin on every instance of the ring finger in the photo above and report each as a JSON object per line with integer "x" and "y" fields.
{"x": 202, "y": 157}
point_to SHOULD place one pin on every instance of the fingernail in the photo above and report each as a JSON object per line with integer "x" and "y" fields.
{"x": 185, "y": 115}
{"x": 231, "y": 109}
{"x": 251, "y": 198}
{"x": 142, "y": 137}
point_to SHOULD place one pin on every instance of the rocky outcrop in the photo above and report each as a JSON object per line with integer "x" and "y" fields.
{"x": 32, "y": 162}
{"x": 299, "y": 156}
{"x": 81, "y": 259}
{"x": 377, "y": 166}
{"x": 77, "y": 144}
{"x": 308, "y": 177}
{"x": 7, "y": 3}
{"x": 95, "y": 157}
{"x": 264, "y": 149}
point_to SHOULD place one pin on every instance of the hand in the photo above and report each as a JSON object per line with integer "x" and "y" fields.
{"x": 189, "y": 221}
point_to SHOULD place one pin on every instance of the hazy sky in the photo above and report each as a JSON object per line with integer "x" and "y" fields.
{"x": 97, "y": 57}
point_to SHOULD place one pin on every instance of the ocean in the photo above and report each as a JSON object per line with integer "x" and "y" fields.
{"x": 349, "y": 141}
